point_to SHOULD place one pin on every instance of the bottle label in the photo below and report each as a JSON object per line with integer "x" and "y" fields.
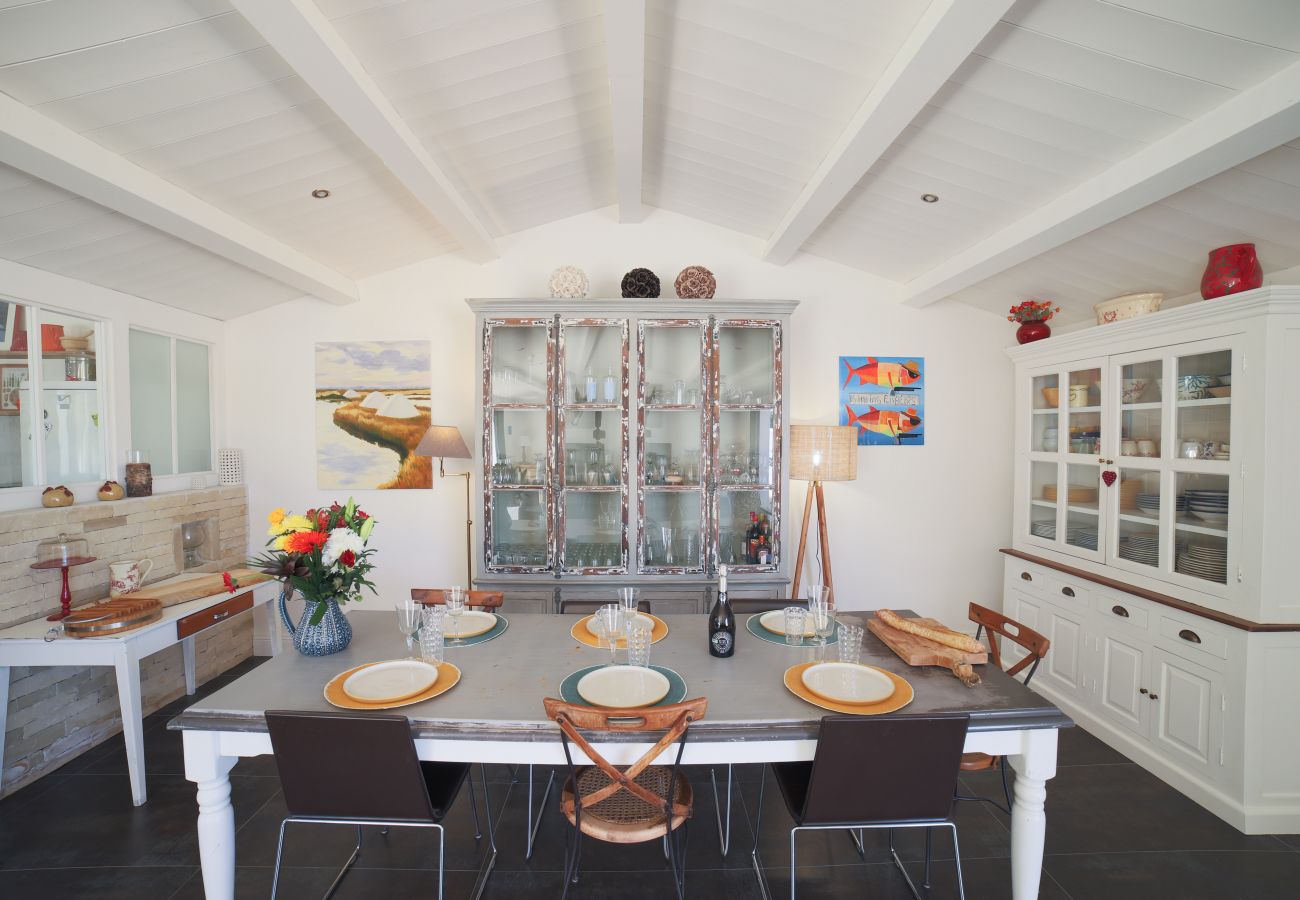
{"x": 721, "y": 641}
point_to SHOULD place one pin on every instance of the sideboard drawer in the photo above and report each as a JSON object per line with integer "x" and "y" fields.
{"x": 1127, "y": 610}
{"x": 1182, "y": 633}
{"x": 213, "y": 615}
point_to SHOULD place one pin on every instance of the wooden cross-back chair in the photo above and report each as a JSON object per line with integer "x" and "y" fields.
{"x": 473, "y": 599}
{"x": 631, "y": 804}
{"x": 1035, "y": 646}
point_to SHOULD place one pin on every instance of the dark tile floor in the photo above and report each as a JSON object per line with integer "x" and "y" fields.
{"x": 1114, "y": 832}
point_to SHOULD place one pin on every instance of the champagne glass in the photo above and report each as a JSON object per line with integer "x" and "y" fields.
{"x": 609, "y": 620}
{"x": 455, "y": 603}
{"x": 819, "y": 608}
{"x": 408, "y": 622}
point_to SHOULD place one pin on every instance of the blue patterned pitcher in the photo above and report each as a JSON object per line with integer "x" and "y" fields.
{"x": 330, "y": 635}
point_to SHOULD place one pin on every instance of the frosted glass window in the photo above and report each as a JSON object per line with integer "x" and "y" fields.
{"x": 16, "y": 464}
{"x": 193, "y": 407}
{"x": 151, "y": 398}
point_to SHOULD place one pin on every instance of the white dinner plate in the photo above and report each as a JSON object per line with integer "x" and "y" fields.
{"x": 390, "y": 681}
{"x": 774, "y": 622}
{"x": 847, "y": 682}
{"x": 472, "y": 622}
{"x": 591, "y": 623}
{"x": 623, "y": 687}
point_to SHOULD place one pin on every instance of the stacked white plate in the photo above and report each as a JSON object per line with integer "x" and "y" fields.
{"x": 1210, "y": 507}
{"x": 1075, "y": 535}
{"x": 1204, "y": 561}
{"x": 1150, "y": 503}
{"x": 1141, "y": 548}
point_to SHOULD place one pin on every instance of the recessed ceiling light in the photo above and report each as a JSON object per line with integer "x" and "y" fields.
{"x": 930, "y": 198}
{"x": 320, "y": 193}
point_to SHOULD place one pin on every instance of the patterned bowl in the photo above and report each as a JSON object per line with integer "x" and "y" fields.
{"x": 1129, "y": 306}
{"x": 1195, "y": 387}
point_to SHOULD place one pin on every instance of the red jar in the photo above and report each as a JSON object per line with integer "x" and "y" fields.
{"x": 1032, "y": 331}
{"x": 1231, "y": 269}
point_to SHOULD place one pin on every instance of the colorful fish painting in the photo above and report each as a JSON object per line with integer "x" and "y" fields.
{"x": 884, "y": 398}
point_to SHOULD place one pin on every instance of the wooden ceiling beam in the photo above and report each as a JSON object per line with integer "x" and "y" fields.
{"x": 1251, "y": 123}
{"x": 47, "y": 150}
{"x": 943, "y": 38}
{"x": 624, "y": 22}
{"x": 308, "y": 41}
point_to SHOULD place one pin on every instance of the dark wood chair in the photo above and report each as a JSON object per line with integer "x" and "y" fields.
{"x": 631, "y": 804}
{"x": 873, "y": 772}
{"x": 473, "y": 599}
{"x": 368, "y": 774}
{"x": 1035, "y": 646}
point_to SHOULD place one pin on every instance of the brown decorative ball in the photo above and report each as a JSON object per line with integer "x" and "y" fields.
{"x": 641, "y": 284}
{"x": 696, "y": 283}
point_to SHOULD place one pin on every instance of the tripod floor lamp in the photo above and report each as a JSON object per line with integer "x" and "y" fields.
{"x": 445, "y": 442}
{"x": 820, "y": 453}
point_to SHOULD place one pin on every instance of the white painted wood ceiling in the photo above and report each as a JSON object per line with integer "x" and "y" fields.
{"x": 744, "y": 100}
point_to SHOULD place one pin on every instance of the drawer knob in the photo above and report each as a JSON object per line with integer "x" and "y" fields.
{"x": 1025, "y": 576}
{"x": 1119, "y": 611}
{"x": 1142, "y": 690}
{"x": 1067, "y": 591}
{"x": 1191, "y": 636}
{"x": 1155, "y": 696}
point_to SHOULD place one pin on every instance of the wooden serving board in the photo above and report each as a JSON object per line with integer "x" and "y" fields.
{"x": 181, "y": 590}
{"x": 111, "y": 616}
{"x": 919, "y": 651}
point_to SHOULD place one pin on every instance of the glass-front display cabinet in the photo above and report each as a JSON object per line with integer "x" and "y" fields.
{"x": 632, "y": 442}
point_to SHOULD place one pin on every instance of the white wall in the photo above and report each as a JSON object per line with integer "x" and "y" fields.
{"x": 920, "y": 528}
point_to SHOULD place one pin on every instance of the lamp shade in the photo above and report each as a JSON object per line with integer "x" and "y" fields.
{"x": 823, "y": 452}
{"x": 443, "y": 441}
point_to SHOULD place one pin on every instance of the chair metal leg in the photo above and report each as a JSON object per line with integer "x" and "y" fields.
{"x": 486, "y": 872}
{"x": 279, "y": 853}
{"x": 473, "y": 803}
{"x": 793, "y": 832}
{"x": 855, "y": 835}
{"x": 754, "y": 858}
{"x": 956, "y": 853}
{"x": 356, "y": 851}
{"x": 534, "y": 824}
{"x": 929, "y": 847}
{"x": 724, "y": 831}
{"x": 901, "y": 868}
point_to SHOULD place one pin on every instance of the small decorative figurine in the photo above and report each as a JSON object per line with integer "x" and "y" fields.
{"x": 57, "y": 496}
{"x": 111, "y": 490}
{"x": 570, "y": 282}
{"x": 641, "y": 284}
{"x": 696, "y": 283}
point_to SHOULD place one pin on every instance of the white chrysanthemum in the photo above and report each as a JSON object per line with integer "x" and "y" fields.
{"x": 340, "y": 540}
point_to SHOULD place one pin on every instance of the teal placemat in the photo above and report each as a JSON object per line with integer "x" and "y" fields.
{"x": 495, "y": 631}
{"x": 758, "y": 631}
{"x": 676, "y": 686}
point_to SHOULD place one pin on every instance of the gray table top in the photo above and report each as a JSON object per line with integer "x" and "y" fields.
{"x": 504, "y": 680}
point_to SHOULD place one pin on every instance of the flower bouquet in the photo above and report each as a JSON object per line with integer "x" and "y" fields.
{"x": 1032, "y": 316}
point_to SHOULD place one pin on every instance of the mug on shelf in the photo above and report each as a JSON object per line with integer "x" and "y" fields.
{"x": 125, "y": 577}
{"x": 1148, "y": 448}
{"x": 1078, "y": 395}
{"x": 1128, "y": 448}
{"x": 1190, "y": 450}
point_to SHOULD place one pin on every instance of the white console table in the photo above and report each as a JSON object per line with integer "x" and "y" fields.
{"x": 26, "y": 645}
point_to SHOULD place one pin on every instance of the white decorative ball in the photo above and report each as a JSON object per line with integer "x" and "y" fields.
{"x": 569, "y": 281}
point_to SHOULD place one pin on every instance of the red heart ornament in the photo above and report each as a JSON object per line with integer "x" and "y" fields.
{"x": 1109, "y": 477}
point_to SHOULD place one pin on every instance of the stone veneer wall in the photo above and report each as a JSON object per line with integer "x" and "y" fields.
{"x": 57, "y": 713}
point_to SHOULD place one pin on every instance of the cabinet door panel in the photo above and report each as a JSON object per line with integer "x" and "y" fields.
{"x": 1123, "y": 676}
{"x": 1188, "y": 723}
{"x": 1064, "y": 664}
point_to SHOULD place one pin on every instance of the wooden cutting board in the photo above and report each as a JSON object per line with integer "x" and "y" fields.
{"x": 111, "y": 616}
{"x": 919, "y": 651}
{"x": 185, "y": 588}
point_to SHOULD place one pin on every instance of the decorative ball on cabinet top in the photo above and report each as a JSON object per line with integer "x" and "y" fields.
{"x": 696, "y": 283}
{"x": 641, "y": 284}
{"x": 570, "y": 282}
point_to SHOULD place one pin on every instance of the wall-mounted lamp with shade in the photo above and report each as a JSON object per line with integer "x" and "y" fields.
{"x": 820, "y": 453}
{"x": 445, "y": 442}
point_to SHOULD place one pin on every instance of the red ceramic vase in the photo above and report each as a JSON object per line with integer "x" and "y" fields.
{"x": 1231, "y": 269}
{"x": 1032, "y": 331}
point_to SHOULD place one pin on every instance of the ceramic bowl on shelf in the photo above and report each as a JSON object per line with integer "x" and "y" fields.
{"x": 1078, "y": 395}
{"x": 1128, "y": 306}
{"x": 1132, "y": 389}
{"x": 1195, "y": 387}
{"x": 1052, "y": 396}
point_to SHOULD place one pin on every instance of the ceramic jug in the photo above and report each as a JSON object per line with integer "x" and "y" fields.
{"x": 125, "y": 577}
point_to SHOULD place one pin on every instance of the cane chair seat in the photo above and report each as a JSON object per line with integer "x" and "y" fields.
{"x": 623, "y": 817}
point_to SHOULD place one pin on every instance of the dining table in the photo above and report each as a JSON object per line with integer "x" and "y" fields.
{"x": 495, "y": 715}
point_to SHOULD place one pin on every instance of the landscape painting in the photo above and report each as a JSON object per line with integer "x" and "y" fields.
{"x": 884, "y": 396}
{"x": 372, "y": 408}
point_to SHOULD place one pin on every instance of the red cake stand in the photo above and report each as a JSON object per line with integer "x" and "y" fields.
{"x": 65, "y": 598}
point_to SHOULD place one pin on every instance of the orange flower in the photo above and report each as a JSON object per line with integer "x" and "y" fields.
{"x": 305, "y": 541}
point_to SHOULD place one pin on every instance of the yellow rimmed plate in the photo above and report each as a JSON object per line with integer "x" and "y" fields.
{"x": 583, "y": 634}
{"x": 448, "y": 677}
{"x": 901, "y": 696}
{"x": 850, "y": 683}
{"x": 388, "y": 682}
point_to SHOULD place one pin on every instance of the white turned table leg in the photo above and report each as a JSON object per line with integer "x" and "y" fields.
{"x": 206, "y": 767}
{"x": 128, "y": 695}
{"x": 1035, "y": 765}
{"x": 187, "y": 657}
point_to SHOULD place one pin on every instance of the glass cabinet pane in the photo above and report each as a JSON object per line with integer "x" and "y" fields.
{"x": 593, "y": 447}
{"x": 1141, "y": 390}
{"x": 519, "y": 446}
{"x": 745, "y": 365}
{"x": 74, "y": 442}
{"x": 671, "y": 370}
{"x": 672, "y": 447}
{"x": 593, "y": 364}
{"x": 1042, "y": 500}
{"x": 1084, "y": 403}
{"x": 519, "y": 528}
{"x": 193, "y": 407}
{"x": 745, "y": 535}
{"x": 1139, "y": 516}
{"x": 593, "y": 530}
{"x": 671, "y": 530}
{"x": 1204, "y": 392}
{"x": 1201, "y": 532}
{"x": 1044, "y": 430}
{"x": 745, "y": 440}
{"x": 519, "y": 358}
{"x": 1082, "y": 520}
{"x": 149, "y": 359}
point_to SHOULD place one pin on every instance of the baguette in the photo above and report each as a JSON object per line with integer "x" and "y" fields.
{"x": 953, "y": 639}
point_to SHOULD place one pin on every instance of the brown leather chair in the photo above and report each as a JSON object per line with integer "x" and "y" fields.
{"x": 1036, "y": 647}
{"x": 873, "y": 772}
{"x": 362, "y": 769}
{"x": 629, "y": 804}
{"x": 473, "y": 599}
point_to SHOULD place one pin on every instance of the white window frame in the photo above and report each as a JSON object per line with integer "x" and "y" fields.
{"x": 171, "y": 374}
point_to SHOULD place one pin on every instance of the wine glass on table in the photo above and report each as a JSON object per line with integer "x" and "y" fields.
{"x": 610, "y": 624}
{"x": 454, "y": 600}
{"x": 819, "y": 609}
{"x": 627, "y": 603}
{"x": 408, "y": 622}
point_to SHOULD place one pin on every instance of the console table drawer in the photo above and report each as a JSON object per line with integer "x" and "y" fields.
{"x": 213, "y": 615}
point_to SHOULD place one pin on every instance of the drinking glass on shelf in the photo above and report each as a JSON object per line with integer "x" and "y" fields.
{"x": 850, "y": 643}
{"x": 668, "y": 533}
{"x": 454, "y": 600}
{"x": 609, "y": 622}
{"x": 432, "y": 642}
{"x": 408, "y": 622}
{"x": 638, "y": 643}
{"x": 819, "y": 608}
{"x": 793, "y": 624}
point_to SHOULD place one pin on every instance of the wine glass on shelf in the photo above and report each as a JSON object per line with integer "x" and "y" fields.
{"x": 667, "y": 532}
{"x": 408, "y": 622}
{"x": 455, "y": 603}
